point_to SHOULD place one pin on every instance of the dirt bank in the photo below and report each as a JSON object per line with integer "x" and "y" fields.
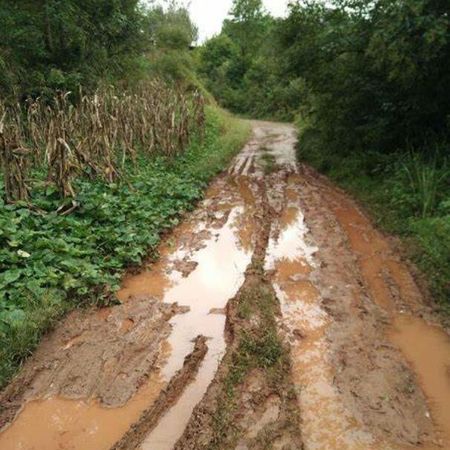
{"x": 276, "y": 317}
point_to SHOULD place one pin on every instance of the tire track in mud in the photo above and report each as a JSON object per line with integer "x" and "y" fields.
{"x": 356, "y": 390}
{"x": 264, "y": 412}
{"x": 166, "y": 399}
{"x": 276, "y": 317}
{"x": 252, "y": 402}
{"x": 319, "y": 289}
{"x": 407, "y": 352}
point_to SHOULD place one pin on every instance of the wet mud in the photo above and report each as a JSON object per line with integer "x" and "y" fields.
{"x": 426, "y": 348}
{"x": 276, "y": 316}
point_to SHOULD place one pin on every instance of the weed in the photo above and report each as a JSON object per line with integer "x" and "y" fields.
{"x": 264, "y": 350}
{"x": 425, "y": 180}
{"x": 258, "y": 347}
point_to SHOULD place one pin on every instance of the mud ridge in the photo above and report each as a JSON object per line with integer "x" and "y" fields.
{"x": 167, "y": 398}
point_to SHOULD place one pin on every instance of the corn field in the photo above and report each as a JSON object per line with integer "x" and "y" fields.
{"x": 94, "y": 137}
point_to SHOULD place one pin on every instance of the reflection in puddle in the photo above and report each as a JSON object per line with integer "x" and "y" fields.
{"x": 173, "y": 423}
{"x": 427, "y": 349}
{"x": 291, "y": 243}
{"x": 216, "y": 278}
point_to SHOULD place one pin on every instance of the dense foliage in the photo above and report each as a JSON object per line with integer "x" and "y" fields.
{"x": 239, "y": 65}
{"x": 376, "y": 73}
{"x": 367, "y": 82}
{"x": 367, "y": 74}
{"x": 49, "y": 45}
{"x": 50, "y": 263}
{"x": 61, "y": 44}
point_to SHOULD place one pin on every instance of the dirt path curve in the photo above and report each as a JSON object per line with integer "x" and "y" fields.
{"x": 276, "y": 317}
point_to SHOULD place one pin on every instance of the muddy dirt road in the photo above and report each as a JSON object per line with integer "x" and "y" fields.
{"x": 276, "y": 317}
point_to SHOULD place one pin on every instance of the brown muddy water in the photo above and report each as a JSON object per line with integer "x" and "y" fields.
{"x": 217, "y": 277}
{"x": 427, "y": 349}
{"x": 58, "y": 423}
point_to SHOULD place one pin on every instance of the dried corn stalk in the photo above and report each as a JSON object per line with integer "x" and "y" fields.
{"x": 97, "y": 136}
{"x": 14, "y": 162}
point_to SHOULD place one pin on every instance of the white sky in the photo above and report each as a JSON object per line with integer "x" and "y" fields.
{"x": 208, "y": 15}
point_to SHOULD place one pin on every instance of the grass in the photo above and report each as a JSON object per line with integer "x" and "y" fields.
{"x": 258, "y": 347}
{"x": 50, "y": 264}
{"x": 408, "y": 195}
{"x": 269, "y": 161}
{"x": 425, "y": 180}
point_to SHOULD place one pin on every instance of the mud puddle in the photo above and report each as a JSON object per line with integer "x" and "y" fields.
{"x": 173, "y": 423}
{"x": 218, "y": 275}
{"x": 201, "y": 268}
{"x": 58, "y": 423}
{"x": 326, "y": 423}
{"x": 219, "y": 272}
{"x": 427, "y": 350}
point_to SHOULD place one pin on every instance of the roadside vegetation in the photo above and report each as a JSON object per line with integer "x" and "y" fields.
{"x": 367, "y": 84}
{"x": 52, "y": 262}
{"x": 105, "y": 141}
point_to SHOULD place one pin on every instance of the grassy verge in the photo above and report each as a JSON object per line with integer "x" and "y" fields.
{"x": 50, "y": 264}
{"x": 407, "y": 195}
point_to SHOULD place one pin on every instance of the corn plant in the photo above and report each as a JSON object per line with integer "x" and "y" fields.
{"x": 95, "y": 136}
{"x": 14, "y": 162}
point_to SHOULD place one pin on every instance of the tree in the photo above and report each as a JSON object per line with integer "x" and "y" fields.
{"x": 247, "y": 26}
{"x": 172, "y": 34}
{"x": 247, "y": 11}
{"x": 55, "y": 44}
{"x": 227, "y": 59}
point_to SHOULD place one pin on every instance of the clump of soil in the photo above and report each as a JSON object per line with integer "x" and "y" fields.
{"x": 104, "y": 354}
